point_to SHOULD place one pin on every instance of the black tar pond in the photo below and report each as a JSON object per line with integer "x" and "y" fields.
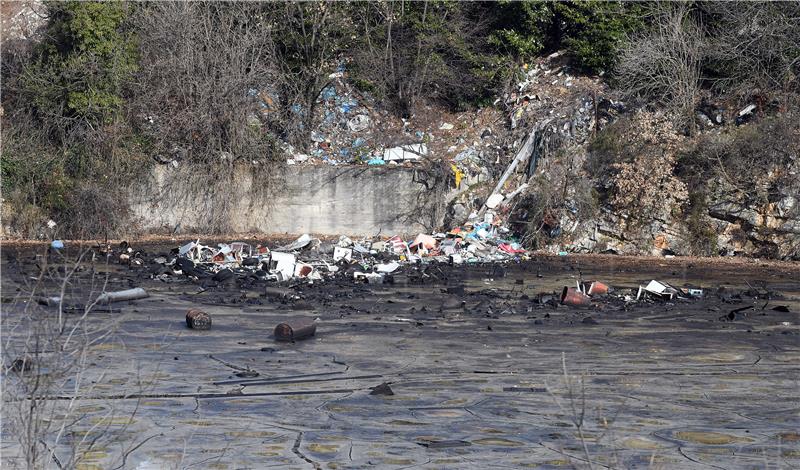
{"x": 446, "y": 367}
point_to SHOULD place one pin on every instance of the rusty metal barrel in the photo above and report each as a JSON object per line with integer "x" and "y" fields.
{"x": 295, "y": 329}
{"x": 573, "y": 297}
{"x": 198, "y": 319}
{"x": 597, "y": 288}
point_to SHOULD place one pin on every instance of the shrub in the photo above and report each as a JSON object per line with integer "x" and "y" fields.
{"x": 635, "y": 159}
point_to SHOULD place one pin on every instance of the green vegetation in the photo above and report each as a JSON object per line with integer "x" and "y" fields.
{"x": 521, "y": 29}
{"x": 84, "y": 63}
{"x": 111, "y": 85}
{"x": 66, "y": 125}
{"x": 699, "y": 232}
{"x": 592, "y": 31}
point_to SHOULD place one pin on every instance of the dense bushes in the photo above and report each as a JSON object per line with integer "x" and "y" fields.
{"x": 733, "y": 50}
{"x": 741, "y": 160}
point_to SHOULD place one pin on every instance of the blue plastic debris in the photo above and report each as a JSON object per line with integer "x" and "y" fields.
{"x": 376, "y": 161}
{"x": 328, "y": 93}
{"x": 57, "y": 244}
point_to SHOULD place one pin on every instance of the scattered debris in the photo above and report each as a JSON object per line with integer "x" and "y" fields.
{"x": 382, "y": 389}
{"x": 736, "y": 314}
{"x": 340, "y": 253}
{"x": 745, "y": 115}
{"x": 367, "y": 260}
{"x": 658, "y": 290}
{"x": 405, "y": 152}
{"x": 693, "y": 292}
{"x": 593, "y": 288}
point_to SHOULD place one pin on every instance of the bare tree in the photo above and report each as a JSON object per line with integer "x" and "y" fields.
{"x": 413, "y": 50}
{"x": 663, "y": 64}
{"x": 49, "y": 367}
{"x": 755, "y": 46}
{"x": 203, "y": 66}
{"x": 309, "y": 39}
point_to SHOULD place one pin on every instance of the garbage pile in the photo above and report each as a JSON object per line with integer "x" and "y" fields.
{"x": 368, "y": 260}
{"x": 344, "y": 135}
{"x": 587, "y": 293}
{"x": 548, "y": 89}
{"x": 349, "y": 129}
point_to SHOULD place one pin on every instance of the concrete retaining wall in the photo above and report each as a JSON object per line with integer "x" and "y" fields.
{"x": 325, "y": 200}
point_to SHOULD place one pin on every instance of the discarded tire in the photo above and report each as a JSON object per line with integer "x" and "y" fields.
{"x": 250, "y": 262}
{"x": 223, "y": 275}
{"x": 22, "y": 364}
{"x": 295, "y": 329}
{"x": 573, "y": 297}
{"x": 198, "y": 319}
{"x": 185, "y": 265}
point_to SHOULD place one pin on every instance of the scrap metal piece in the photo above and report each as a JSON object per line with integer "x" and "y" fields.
{"x": 303, "y": 241}
{"x": 387, "y": 267}
{"x": 370, "y": 278}
{"x": 405, "y": 152}
{"x": 304, "y": 270}
{"x": 340, "y": 253}
{"x": 283, "y": 264}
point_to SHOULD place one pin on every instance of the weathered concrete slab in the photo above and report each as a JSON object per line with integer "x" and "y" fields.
{"x": 325, "y": 199}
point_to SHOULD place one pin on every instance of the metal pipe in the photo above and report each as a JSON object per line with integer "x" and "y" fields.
{"x": 119, "y": 296}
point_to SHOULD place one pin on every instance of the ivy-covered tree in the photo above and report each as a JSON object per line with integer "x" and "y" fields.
{"x": 520, "y": 29}
{"x": 592, "y": 31}
{"x": 80, "y": 69}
